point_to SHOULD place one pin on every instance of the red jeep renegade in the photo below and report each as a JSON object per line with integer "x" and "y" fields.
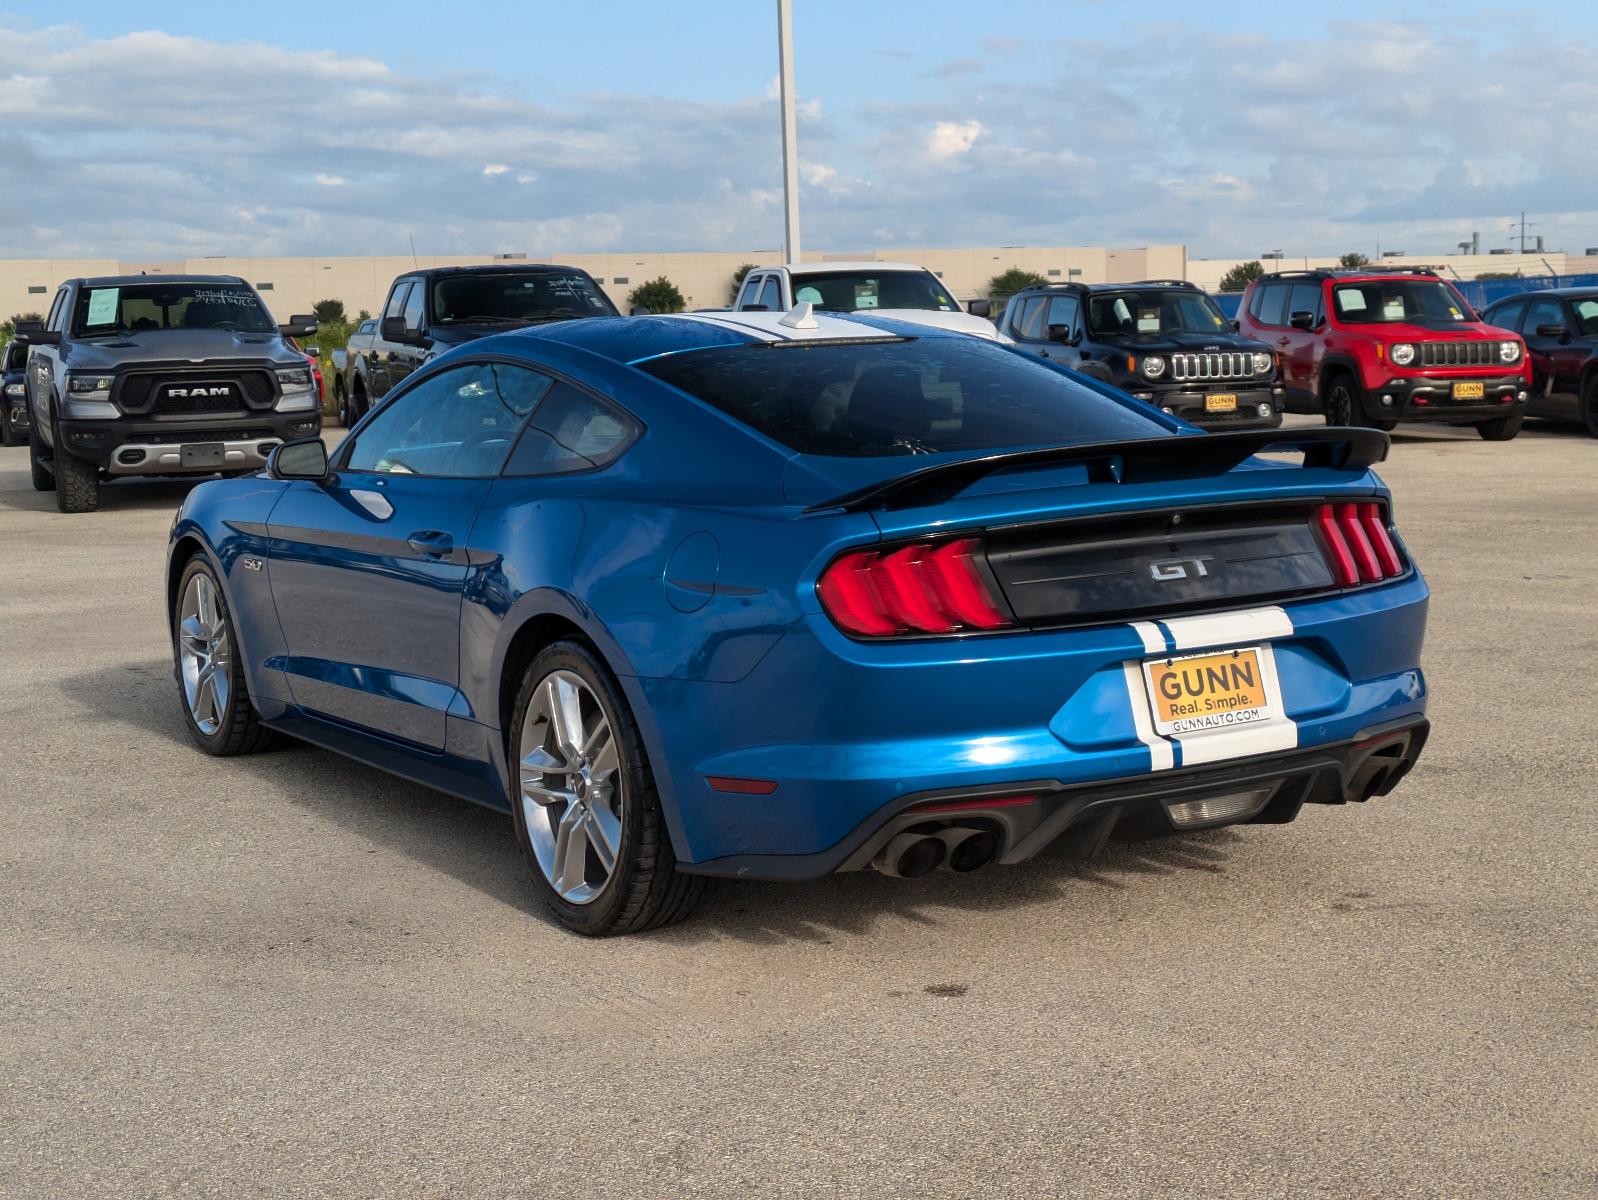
{"x": 1374, "y": 347}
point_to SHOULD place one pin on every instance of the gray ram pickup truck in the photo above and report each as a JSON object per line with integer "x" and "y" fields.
{"x": 160, "y": 375}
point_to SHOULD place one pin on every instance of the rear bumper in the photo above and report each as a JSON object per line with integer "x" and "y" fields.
{"x": 1431, "y": 398}
{"x": 155, "y": 446}
{"x": 1278, "y": 785}
{"x": 849, "y": 732}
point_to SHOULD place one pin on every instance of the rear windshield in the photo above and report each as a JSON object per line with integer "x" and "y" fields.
{"x": 142, "y": 307}
{"x": 862, "y": 291}
{"x": 916, "y": 396}
{"x": 526, "y": 298}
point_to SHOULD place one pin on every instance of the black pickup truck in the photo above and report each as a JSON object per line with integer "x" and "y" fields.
{"x": 160, "y": 375}
{"x": 14, "y": 404}
{"x": 433, "y": 310}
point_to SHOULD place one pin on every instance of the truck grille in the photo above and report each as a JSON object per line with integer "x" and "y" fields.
{"x": 149, "y": 393}
{"x": 1204, "y": 367}
{"x": 1458, "y": 354}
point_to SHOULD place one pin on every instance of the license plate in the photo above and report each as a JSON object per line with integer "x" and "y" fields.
{"x": 1214, "y": 690}
{"x": 202, "y": 454}
{"x": 1221, "y": 402}
{"x": 1469, "y": 391}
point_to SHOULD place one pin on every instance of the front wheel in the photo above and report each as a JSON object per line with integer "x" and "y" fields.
{"x": 217, "y": 708}
{"x": 587, "y": 812}
{"x": 1500, "y": 429}
{"x": 1344, "y": 404}
{"x": 77, "y": 482}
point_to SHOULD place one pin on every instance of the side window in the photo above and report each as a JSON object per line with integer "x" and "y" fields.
{"x": 1029, "y": 320}
{"x": 770, "y": 295}
{"x": 1545, "y": 311}
{"x": 571, "y": 431}
{"x": 1506, "y": 316}
{"x": 750, "y": 290}
{"x": 414, "y": 307}
{"x": 367, "y": 327}
{"x": 57, "y": 307}
{"x": 1273, "y": 305}
{"x": 1254, "y": 301}
{"x": 457, "y": 424}
{"x": 1305, "y": 297}
{"x": 397, "y": 298}
{"x": 1062, "y": 312}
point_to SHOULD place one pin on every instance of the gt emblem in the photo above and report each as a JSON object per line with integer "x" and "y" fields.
{"x": 1168, "y": 569}
{"x": 250, "y": 563}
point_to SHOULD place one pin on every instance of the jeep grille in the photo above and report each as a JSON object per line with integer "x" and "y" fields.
{"x": 1204, "y": 367}
{"x": 1458, "y": 354}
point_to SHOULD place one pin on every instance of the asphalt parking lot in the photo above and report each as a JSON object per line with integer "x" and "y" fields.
{"x": 292, "y": 975}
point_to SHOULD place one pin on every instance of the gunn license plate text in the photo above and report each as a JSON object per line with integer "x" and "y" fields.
{"x": 1207, "y": 691}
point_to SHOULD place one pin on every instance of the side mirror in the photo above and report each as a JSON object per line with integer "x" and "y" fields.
{"x": 298, "y": 327}
{"x": 393, "y": 330}
{"x": 1302, "y": 320}
{"x": 1237, "y": 326}
{"x": 302, "y": 459}
{"x": 311, "y": 351}
{"x": 979, "y": 308}
{"x": 1551, "y": 331}
{"x": 638, "y": 310}
{"x": 1062, "y": 334}
{"x": 33, "y": 333}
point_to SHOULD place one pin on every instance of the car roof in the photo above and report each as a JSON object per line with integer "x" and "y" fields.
{"x": 1138, "y": 285}
{"x": 500, "y": 268}
{"x": 1566, "y": 293}
{"x": 858, "y": 264}
{"x": 634, "y": 339}
{"x": 120, "y": 280}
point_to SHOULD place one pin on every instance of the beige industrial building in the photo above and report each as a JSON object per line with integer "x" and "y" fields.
{"x": 293, "y": 285}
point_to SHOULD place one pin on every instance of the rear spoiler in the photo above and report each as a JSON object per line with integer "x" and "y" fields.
{"x": 1341, "y": 449}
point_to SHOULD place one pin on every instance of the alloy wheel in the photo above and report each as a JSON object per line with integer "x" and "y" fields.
{"x": 571, "y": 790}
{"x": 205, "y": 654}
{"x": 1340, "y": 404}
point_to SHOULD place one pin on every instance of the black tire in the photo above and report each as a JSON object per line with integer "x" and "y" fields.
{"x": 341, "y": 403}
{"x": 1589, "y": 403}
{"x": 1344, "y": 402}
{"x": 358, "y": 404}
{"x": 645, "y": 890}
{"x": 1500, "y": 429}
{"x": 239, "y": 730}
{"x": 1387, "y": 425}
{"x": 43, "y": 476}
{"x": 77, "y": 481}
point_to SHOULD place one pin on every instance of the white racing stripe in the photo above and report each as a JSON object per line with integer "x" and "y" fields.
{"x": 1161, "y": 754}
{"x": 1222, "y": 629}
{"x": 1153, "y": 639}
{"x": 768, "y": 326}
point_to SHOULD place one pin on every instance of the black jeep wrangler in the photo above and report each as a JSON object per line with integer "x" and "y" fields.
{"x": 160, "y": 375}
{"x": 1162, "y": 340}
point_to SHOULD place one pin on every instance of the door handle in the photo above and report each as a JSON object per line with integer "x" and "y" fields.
{"x": 431, "y": 543}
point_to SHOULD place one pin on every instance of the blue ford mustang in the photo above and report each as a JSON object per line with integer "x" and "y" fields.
{"x": 774, "y": 595}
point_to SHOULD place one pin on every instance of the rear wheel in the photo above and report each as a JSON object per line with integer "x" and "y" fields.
{"x": 587, "y": 813}
{"x": 1500, "y": 429}
{"x": 1589, "y": 403}
{"x": 43, "y": 477}
{"x": 216, "y": 702}
{"x": 341, "y": 402}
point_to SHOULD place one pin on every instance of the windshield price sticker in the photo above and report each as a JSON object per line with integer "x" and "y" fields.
{"x": 103, "y": 306}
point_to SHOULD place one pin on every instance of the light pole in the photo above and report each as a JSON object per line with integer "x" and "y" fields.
{"x": 790, "y": 130}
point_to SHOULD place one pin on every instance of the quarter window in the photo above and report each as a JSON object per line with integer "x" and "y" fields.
{"x": 571, "y": 431}
{"x": 457, "y": 424}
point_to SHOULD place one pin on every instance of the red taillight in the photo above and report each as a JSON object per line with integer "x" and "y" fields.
{"x": 1358, "y": 547}
{"x": 926, "y": 587}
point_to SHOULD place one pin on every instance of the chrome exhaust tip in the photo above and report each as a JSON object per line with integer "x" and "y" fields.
{"x": 910, "y": 856}
{"x": 967, "y": 849}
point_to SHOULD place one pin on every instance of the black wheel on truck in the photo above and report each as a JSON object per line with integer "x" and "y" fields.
{"x": 77, "y": 481}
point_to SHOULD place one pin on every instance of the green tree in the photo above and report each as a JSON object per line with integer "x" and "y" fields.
{"x": 1007, "y": 283}
{"x": 8, "y": 329}
{"x": 363, "y": 315}
{"x": 738, "y": 282}
{"x": 657, "y": 295}
{"x": 1353, "y": 261}
{"x": 329, "y": 312}
{"x": 1499, "y": 275}
{"x": 1240, "y": 276}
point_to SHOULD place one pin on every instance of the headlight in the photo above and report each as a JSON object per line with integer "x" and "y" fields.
{"x": 294, "y": 376}
{"x": 1402, "y": 354}
{"x": 15, "y": 389}
{"x": 80, "y": 384}
{"x": 88, "y": 398}
{"x": 1153, "y": 366}
{"x": 1509, "y": 352}
{"x": 1262, "y": 363}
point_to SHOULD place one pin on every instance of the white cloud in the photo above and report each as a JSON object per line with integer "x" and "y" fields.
{"x": 950, "y": 139}
{"x": 496, "y": 169}
{"x": 331, "y": 180}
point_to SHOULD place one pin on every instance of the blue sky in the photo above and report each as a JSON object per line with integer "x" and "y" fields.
{"x": 186, "y": 128}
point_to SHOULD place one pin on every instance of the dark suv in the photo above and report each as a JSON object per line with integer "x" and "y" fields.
{"x": 1370, "y": 346}
{"x": 430, "y": 311}
{"x": 1560, "y": 326}
{"x": 14, "y": 402}
{"x": 160, "y": 375}
{"x": 1163, "y": 340}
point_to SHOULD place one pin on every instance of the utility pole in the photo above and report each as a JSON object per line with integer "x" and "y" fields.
{"x": 790, "y": 130}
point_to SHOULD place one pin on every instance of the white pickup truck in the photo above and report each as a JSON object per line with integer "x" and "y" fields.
{"x": 902, "y": 291}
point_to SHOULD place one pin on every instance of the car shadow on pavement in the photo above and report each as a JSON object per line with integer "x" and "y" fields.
{"x": 128, "y": 495}
{"x": 475, "y": 845}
